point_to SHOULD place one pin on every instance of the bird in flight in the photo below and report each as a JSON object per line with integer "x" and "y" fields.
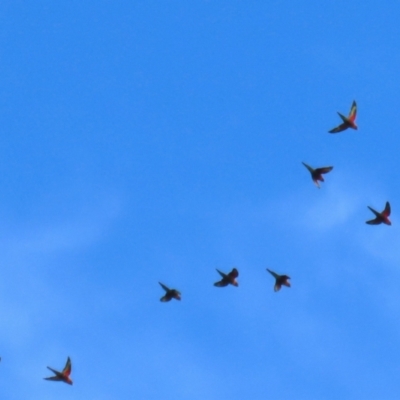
{"x": 169, "y": 294}
{"x": 316, "y": 174}
{"x": 279, "y": 280}
{"x": 348, "y": 122}
{"x": 380, "y": 217}
{"x": 228, "y": 278}
{"x": 63, "y": 375}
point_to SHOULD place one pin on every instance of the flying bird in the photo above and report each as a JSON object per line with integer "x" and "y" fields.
{"x": 380, "y": 217}
{"x": 316, "y": 174}
{"x": 63, "y": 375}
{"x": 279, "y": 280}
{"x": 169, "y": 294}
{"x": 348, "y": 122}
{"x": 228, "y": 278}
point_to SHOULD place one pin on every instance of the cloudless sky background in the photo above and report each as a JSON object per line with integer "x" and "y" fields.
{"x": 146, "y": 141}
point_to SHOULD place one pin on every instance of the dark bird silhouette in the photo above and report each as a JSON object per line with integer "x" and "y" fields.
{"x": 348, "y": 122}
{"x": 279, "y": 280}
{"x": 380, "y": 217}
{"x": 62, "y": 376}
{"x": 316, "y": 174}
{"x": 228, "y": 278}
{"x": 169, "y": 294}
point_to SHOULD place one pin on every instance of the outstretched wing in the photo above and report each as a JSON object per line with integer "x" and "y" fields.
{"x": 308, "y": 167}
{"x": 57, "y": 375}
{"x": 323, "y": 170}
{"x": 67, "y": 369}
{"x": 386, "y": 211}
{"x": 375, "y": 221}
{"x": 353, "y": 112}
{"x": 375, "y": 212}
{"x": 221, "y": 283}
{"x": 164, "y": 287}
{"x": 53, "y": 378}
{"x": 221, "y": 273}
{"x": 274, "y": 274}
{"x": 340, "y": 128}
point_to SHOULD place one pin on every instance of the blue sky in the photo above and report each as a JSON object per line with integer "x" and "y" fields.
{"x": 156, "y": 141}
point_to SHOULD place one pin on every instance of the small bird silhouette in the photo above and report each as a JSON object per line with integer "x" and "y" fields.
{"x": 170, "y": 294}
{"x": 381, "y": 217}
{"x": 279, "y": 280}
{"x": 63, "y": 375}
{"x": 348, "y": 122}
{"x": 316, "y": 174}
{"x": 228, "y": 278}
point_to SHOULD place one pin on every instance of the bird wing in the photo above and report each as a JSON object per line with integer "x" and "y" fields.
{"x": 165, "y": 298}
{"x": 274, "y": 274}
{"x": 53, "y": 378}
{"x": 67, "y": 369}
{"x": 353, "y": 112}
{"x": 339, "y": 128}
{"x": 222, "y": 274}
{"x": 308, "y": 167}
{"x": 164, "y": 287}
{"x": 375, "y": 221}
{"x": 386, "y": 211}
{"x": 323, "y": 170}
{"x": 375, "y": 212}
{"x": 221, "y": 283}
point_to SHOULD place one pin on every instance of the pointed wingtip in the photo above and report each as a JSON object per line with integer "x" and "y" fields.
{"x": 272, "y": 272}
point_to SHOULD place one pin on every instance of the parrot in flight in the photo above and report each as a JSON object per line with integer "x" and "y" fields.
{"x": 348, "y": 122}
{"x": 228, "y": 278}
{"x": 62, "y": 376}
{"x": 279, "y": 280}
{"x": 169, "y": 294}
{"x": 316, "y": 173}
{"x": 380, "y": 217}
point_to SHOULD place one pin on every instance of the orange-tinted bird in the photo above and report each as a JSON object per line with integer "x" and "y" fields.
{"x": 279, "y": 280}
{"x": 63, "y": 375}
{"x": 170, "y": 294}
{"x": 316, "y": 174}
{"x": 380, "y": 217}
{"x": 348, "y": 122}
{"x": 228, "y": 278}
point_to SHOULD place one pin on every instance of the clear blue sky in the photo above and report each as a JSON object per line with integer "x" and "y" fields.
{"x": 146, "y": 141}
